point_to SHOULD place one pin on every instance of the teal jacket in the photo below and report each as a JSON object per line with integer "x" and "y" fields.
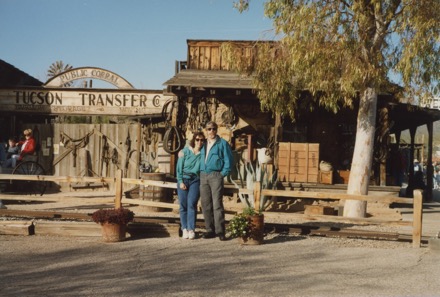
{"x": 219, "y": 158}
{"x": 188, "y": 164}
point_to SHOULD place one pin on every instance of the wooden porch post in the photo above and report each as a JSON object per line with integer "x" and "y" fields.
{"x": 118, "y": 189}
{"x": 257, "y": 195}
{"x": 429, "y": 167}
{"x": 384, "y": 124}
{"x": 412, "y": 132}
{"x": 277, "y": 138}
{"x": 174, "y": 123}
{"x": 417, "y": 218}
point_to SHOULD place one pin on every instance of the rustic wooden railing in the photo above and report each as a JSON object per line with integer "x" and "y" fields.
{"x": 118, "y": 200}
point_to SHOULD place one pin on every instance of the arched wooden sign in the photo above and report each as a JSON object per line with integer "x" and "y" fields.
{"x": 88, "y": 72}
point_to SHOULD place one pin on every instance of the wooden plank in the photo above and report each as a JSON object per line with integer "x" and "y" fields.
{"x": 150, "y": 229}
{"x": 16, "y": 228}
{"x": 44, "y": 214}
{"x": 91, "y": 229}
{"x": 151, "y": 203}
{"x": 47, "y": 198}
{"x": 336, "y": 219}
{"x": 334, "y": 196}
{"x": 65, "y": 228}
{"x": 78, "y": 179}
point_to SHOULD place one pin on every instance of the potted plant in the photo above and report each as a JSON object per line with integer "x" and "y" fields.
{"x": 248, "y": 226}
{"x": 113, "y": 222}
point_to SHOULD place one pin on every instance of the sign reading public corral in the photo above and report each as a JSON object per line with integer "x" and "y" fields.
{"x": 88, "y": 72}
{"x": 82, "y": 101}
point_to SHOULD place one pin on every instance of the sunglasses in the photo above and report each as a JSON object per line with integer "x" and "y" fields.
{"x": 213, "y": 129}
{"x": 199, "y": 139}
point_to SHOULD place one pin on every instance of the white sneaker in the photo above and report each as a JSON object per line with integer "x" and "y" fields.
{"x": 185, "y": 234}
{"x": 191, "y": 234}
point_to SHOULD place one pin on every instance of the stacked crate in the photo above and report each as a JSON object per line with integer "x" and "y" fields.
{"x": 298, "y": 162}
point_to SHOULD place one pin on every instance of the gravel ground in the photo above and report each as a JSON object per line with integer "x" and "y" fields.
{"x": 286, "y": 265}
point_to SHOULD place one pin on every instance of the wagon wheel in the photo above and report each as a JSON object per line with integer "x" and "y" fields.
{"x": 29, "y": 187}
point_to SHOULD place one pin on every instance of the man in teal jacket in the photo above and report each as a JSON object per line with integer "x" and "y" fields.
{"x": 216, "y": 163}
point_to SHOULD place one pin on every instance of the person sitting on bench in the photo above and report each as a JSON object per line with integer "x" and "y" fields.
{"x": 27, "y": 148}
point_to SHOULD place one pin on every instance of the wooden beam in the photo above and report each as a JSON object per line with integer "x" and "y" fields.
{"x": 64, "y": 228}
{"x": 418, "y": 218}
{"x": 118, "y": 189}
{"x": 151, "y": 203}
{"x": 429, "y": 167}
{"x": 77, "y": 179}
{"x": 334, "y": 196}
{"x": 16, "y": 228}
{"x": 46, "y": 198}
{"x": 257, "y": 195}
{"x": 335, "y": 219}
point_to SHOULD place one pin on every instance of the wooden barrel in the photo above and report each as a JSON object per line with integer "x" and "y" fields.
{"x": 152, "y": 193}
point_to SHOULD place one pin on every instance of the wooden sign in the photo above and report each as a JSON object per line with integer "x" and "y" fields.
{"x": 83, "y": 101}
{"x": 88, "y": 72}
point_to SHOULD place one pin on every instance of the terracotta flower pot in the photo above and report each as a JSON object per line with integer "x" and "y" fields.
{"x": 113, "y": 232}
{"x": 256, "y": 234}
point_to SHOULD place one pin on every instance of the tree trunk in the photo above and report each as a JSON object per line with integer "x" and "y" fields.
{"x": 363, "y": 154}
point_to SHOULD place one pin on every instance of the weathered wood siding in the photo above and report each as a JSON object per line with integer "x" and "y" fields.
{"x": 206, "y": 54}
{"x": 90, "y": 156}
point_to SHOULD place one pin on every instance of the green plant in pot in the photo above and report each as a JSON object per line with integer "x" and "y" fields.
{"x": 113, "y": 222}
{"x": 248, "y": 226}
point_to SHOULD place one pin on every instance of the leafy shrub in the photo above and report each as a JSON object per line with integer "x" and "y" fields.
{"x": 239, "y": 225}
{"x": 113, "y": 216}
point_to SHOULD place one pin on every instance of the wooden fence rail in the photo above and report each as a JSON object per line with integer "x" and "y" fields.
{"x": 118, "y": 199}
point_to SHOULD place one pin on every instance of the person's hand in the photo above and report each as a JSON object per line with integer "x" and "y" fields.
{"x": 182, "y": 186}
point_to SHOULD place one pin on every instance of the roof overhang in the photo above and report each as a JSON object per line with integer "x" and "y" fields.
{"x": 406, "y": 116}
{"x": 209, "y": 83}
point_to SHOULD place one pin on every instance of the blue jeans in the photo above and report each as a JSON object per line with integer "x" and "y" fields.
{"x": 188, "y": 203}
{"x": 11, "y": 162}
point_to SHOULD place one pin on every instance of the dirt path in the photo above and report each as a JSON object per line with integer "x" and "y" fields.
{"x": 283, "y": 266}
{"x": 286, "y": 265}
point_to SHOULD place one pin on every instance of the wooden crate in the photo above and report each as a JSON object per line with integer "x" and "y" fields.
{"x": 298, "y": 162}
{"x": 326, "y": 177}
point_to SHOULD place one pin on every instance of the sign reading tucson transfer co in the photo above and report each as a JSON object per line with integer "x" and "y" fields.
{"x": 82, "y": 101}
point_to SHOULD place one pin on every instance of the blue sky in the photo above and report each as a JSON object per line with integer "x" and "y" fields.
{"x": 139, "y": 40}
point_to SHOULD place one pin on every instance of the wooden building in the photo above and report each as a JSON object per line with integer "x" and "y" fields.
{"x": 210, "y": 91}
{"x": 130, "y": 139}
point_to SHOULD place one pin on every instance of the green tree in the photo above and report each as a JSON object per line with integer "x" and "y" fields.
{"x": 345, "y": 50}
{"x": 57, "y": 68}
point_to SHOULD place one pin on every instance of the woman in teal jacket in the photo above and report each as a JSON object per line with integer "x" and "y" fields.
{"x": 188, "y": 184}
